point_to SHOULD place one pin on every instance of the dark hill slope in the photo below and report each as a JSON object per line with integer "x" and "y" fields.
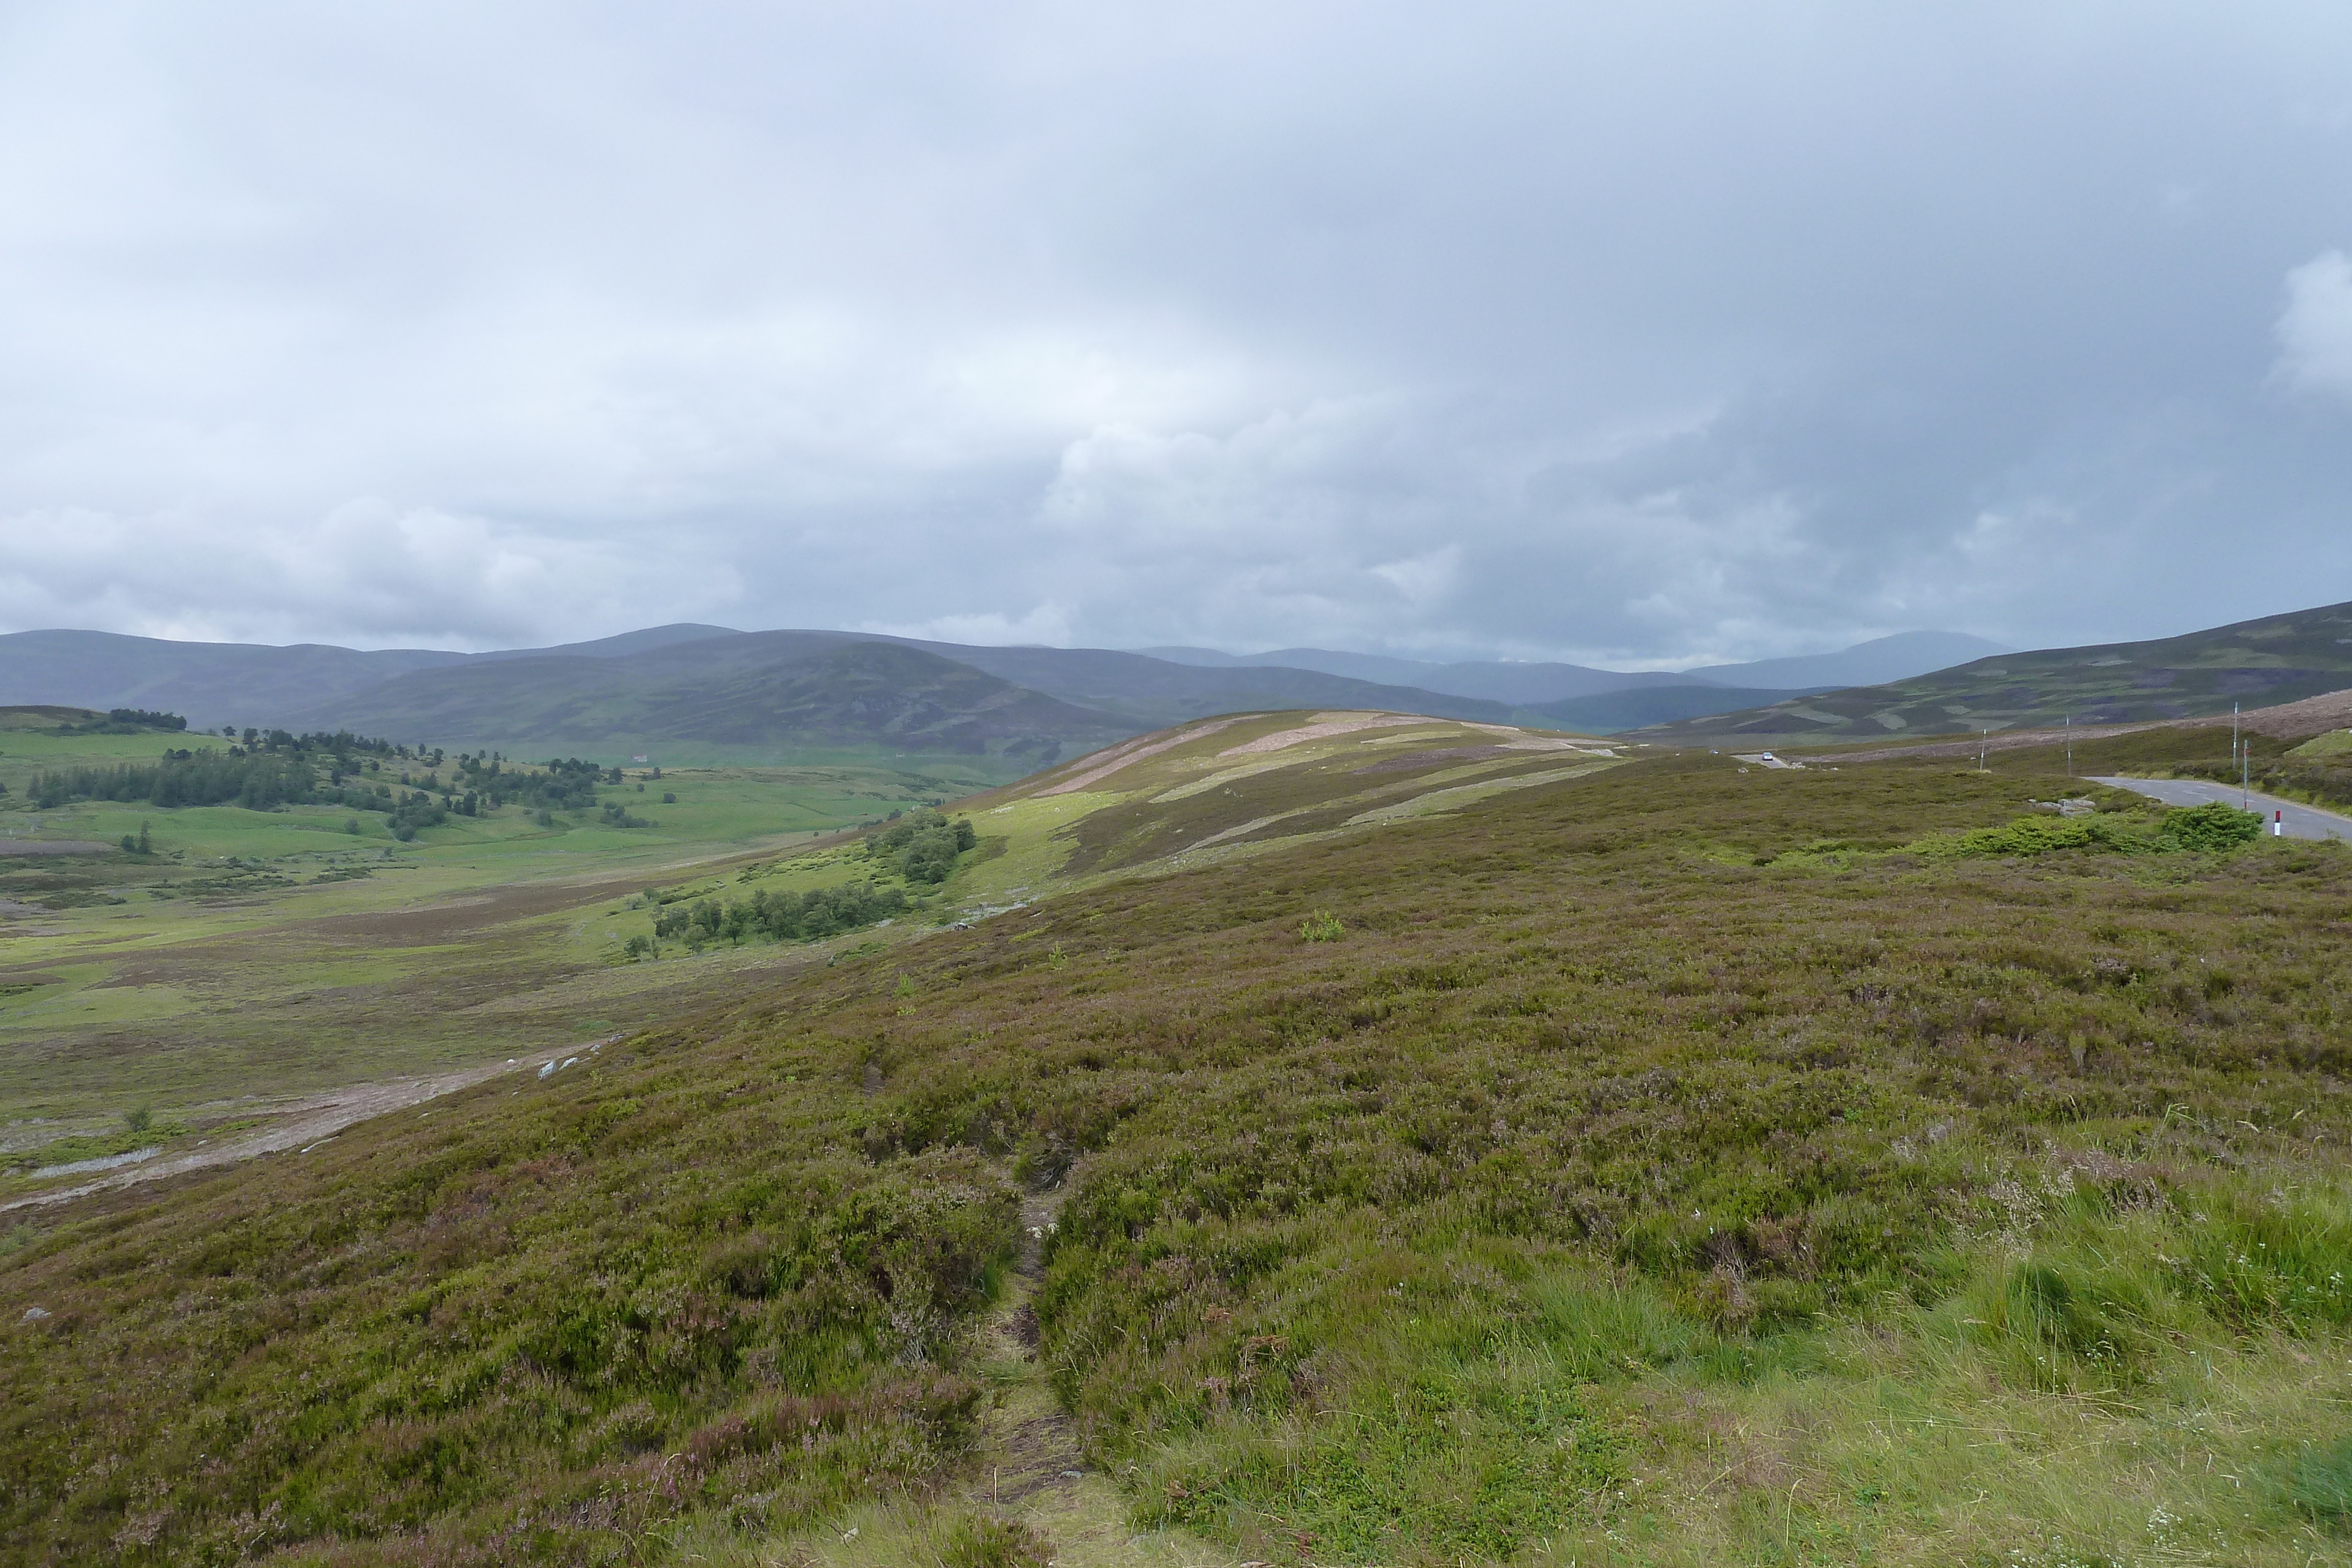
{"x": 1535, "y": 686}
{"x": 807, "y": 691}
{"x": 1512, "y": 685}
{"x": 1148, "y": 692}
{"x": 310, "y": 685}
{"x": 2276, "y": 659}
{"x": 245, "y": 682}
{"x": 1623, "y": 1171}
{"x": 732, "y": 688}
{"x": 211, "y": 683}
{"x": 1607, "y": 713}
{"x": 1156, "y": 692}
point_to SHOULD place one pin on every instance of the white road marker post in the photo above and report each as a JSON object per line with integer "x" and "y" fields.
{"x": 2278, "y": 825}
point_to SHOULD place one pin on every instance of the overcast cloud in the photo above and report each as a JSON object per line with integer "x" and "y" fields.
{"x": 1674, "y": 333}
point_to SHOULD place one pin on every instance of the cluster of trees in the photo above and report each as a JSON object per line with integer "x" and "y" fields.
{"x": 567, "y": 785}
{"x": 125, "y": 721}
{"x": 922, "y": 845}
{"x": 781, "y": 916}
{"x": 419, "y": 810}
{"x": 262, "y": 769}
{"x": 256, "y": 781}
{"x": 346, "y": 748}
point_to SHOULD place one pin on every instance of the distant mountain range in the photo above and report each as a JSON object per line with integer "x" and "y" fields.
{"x": 1027, "y": 705}
{"x": 245, "y": 682}
{"x": 2275, "y": 659}
{"x": 1533, "y": 686}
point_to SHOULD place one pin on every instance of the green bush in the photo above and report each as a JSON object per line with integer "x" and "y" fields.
{"x": 923, "y": 845}
{"x": 2212, "y": 827}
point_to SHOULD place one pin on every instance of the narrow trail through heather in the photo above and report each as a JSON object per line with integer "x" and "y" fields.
{"x": 1031, "y": 1465}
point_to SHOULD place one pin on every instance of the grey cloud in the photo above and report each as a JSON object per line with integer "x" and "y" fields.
{"x": 1684, "y": 333}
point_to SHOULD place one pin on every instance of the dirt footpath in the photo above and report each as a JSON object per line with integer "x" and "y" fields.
{"x": 303, "y": 1124}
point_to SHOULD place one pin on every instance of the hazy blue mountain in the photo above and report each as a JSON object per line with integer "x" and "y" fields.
{"x": 420, "y": 691}
{"x": 1498, "y": 681}
{"x": 1901, "y": 657}
{"x": 1606, "y": 712}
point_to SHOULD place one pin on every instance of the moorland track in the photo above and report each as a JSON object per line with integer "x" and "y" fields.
{"x": 305, "y": 1123}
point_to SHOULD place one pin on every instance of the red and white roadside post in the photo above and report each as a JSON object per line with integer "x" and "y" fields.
{"x": 2278, "y": 825}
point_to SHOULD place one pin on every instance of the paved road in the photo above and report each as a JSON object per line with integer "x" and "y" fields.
{"x": 2302, "y": 821}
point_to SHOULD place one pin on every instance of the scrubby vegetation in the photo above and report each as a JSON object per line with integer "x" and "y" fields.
{"x": 922, "y": 846}
{"x": 781, "y": 916}
{"x": 2211, "y": 828}
{"x": 271, "y": 770}
{"x": 1669, "y": 1165}
{"x": 533, "y": 1338}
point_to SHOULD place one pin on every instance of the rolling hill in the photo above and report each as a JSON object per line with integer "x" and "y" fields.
{"x": 1537, "y": 686}
{"x": 610, "y": 687}
{"x": 1515, "y": 685}
{"x": 1155, "y": 692}
{"x": 242, "y": 683}
{"x": 1307, "y": 1138}
{"x": 2272, "y": 660}
{"x": 791, "y": 690}
{"x": 830, "y": 688}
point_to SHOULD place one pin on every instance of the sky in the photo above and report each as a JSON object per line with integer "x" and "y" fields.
{"x": 1651, "y": 335}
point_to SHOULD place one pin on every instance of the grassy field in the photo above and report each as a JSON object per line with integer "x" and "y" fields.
{"x": 257, "y": 958}
{"x": 1343, "y": 1146}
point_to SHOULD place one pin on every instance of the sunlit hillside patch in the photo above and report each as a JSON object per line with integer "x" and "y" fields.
{"x": 1230, "y": 787}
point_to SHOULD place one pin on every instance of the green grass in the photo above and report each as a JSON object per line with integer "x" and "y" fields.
{"x": 1662, "y": 1167}
{"x": 272, "y": 955}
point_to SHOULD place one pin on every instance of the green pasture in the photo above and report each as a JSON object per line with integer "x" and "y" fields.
{"x": 248, "y": 956}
